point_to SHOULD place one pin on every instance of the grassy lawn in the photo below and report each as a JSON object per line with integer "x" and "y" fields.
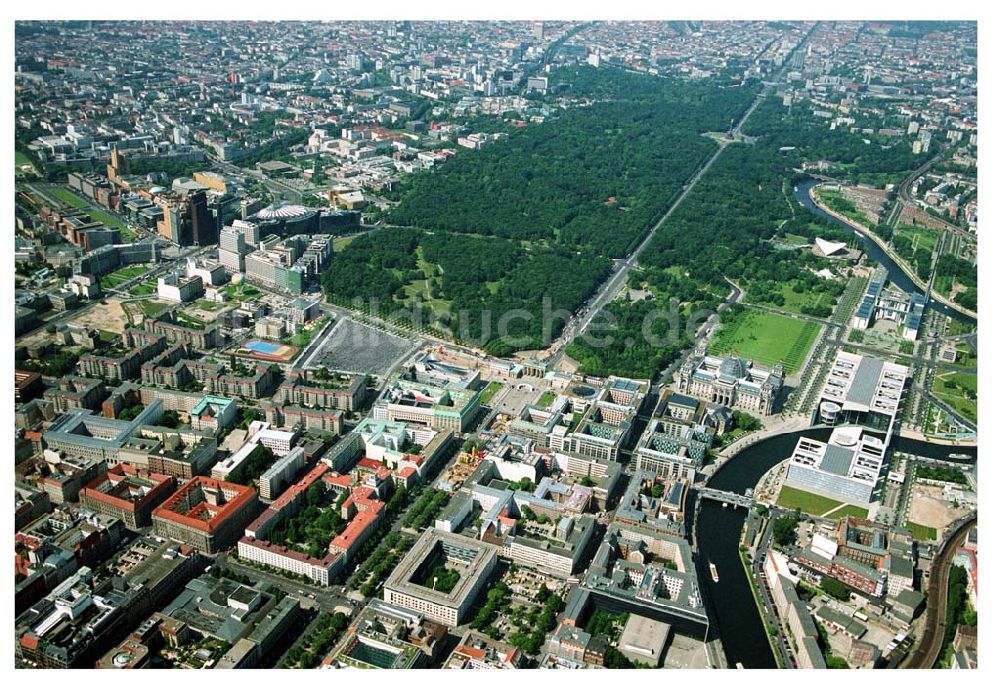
{"x": 421, "y": 288}
{"x": 922, "y": 532}
{"x": 303, "y": 339}
{"x": 766, "y": 338}
{"x": 810, "y": 503}
{"x": 237, "y": 292}
{"x": 189, "y": 320}
{"x": 69, "y": 197}
{"x": 795, "y": 302}
{"x": 490, "y": 391}
{"x": 122, "y": 275}
{"x": 852, "y": 510}
{"x": 21, "y": 159}
{"x": 836, "y": 201}
{"x": 795, "y": 239}
{"x": 110, "y": 221}
{"x": 151, "y": 307}
{"x": 965, "y": 357}
{"x": 342, "y": 243}
{"x": 146, "y": 288}
{"x": 907, "y": 236}
{"x": 547, "y": 398}
{"x": 959, "y": 390}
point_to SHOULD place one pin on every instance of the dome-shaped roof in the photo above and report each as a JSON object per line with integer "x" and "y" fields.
{"x": 282, "y": 212}
{"x": 732, "y": 369}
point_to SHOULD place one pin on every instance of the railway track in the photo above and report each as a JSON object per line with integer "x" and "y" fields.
{"x": 929, "y": 648}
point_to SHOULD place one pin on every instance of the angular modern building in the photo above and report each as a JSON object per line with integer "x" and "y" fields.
{"x": 606, "y": 420}
{"x": 387, "y": 636}
{"x": 446, "y": 409}
{"x": 861, "y": 396}
{"x": 879, "y": 303}
{"x": 642, "y": 571}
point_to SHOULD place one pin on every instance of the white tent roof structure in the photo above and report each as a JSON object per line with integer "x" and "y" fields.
{"x": 828, "y": 247}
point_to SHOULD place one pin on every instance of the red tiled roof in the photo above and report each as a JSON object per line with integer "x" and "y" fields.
{"x": 337, "y": 480}
{"x": 120, "y": 474}
{"x": 193, "y": 516}
{"x": 472, "y": 652}
{"x": 288, "y": 496}
{"x": 265, "y": 545}
{"x": 346, "y": 539}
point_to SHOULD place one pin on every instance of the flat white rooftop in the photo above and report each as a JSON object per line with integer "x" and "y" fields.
{"x": 850, "y": 453}
{"x": 863, "y": 383}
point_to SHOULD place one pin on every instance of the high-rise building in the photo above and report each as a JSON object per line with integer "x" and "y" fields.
{"x": 171, "y": 227}
{"x": 203, "y": 228}
{"x": 232, "y": 249}
{"x": 250, "y": 231}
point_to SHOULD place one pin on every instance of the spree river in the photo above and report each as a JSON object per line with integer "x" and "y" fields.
{"x": 896, "y": 275}
{"x": 730, "y": 601}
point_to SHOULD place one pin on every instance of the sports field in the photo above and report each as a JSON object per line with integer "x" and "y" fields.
{"x": 765, "y": 338}
{"x": 269, "y": 351}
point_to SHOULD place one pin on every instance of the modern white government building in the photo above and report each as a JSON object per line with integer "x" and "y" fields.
{"x": 862, "y": 390}
{"x": 861, "y": 397}
{"x": 846, "y": 468}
